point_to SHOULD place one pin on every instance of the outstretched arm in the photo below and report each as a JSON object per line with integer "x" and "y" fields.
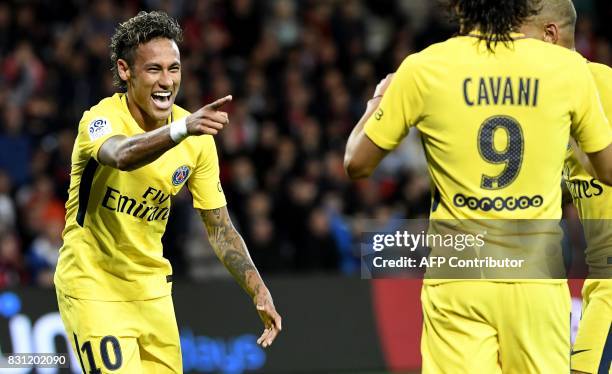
{"x": 129, "y": 153}
{"x": 232, "y": 251}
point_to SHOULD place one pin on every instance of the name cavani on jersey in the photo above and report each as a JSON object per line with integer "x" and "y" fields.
{"x": 501, "y": 91}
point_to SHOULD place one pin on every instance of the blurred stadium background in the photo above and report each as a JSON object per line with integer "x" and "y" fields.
{"x": 300, "y": 73}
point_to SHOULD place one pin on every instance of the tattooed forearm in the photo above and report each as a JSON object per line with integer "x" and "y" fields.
{"x": 240, "y": 266}
{"x": 231, "y": 249}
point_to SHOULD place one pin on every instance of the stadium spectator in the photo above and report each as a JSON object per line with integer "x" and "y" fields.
{"x": 8, "y": 214}
{"x": 13, "y": 271}
{"x": 43, "y": 253}
{"x": 15, "y": 144}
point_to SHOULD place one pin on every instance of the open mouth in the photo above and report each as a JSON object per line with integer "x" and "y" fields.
{"x": 162, "y": 99}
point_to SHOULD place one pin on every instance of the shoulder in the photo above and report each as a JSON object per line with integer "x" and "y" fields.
{"x": 436, "y": 56}
{"x": 447, "y": 50}
{"x": 418, "y": 69}
{"x": 601, "y": 71}
{"x": 432, "y": 52}
{"x": 564, "y": 55}
{"x": 201, "y": 143}
{"x": 203, "y": 146}
{"x": 99, "y": 119}
{"x": 201, "y": 149}
{"x": 179, "y": 112}
{"x": 566, "y": 65}
{"x": 108, "y": 105}
{"x": 602, "y": 75}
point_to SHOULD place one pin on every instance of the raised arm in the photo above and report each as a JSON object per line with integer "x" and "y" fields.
{"x": 129, "y": 153}
{"x": 232, "y": 251}
{"x": 362, "y": 156}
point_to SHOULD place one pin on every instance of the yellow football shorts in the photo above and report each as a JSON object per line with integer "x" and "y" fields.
{"x": 494, "y": 327}
{"x": 122, "y": 336}
{"x": 592, "y": 351}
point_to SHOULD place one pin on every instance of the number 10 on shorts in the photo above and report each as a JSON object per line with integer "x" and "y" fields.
{"x": 110, "y": 353}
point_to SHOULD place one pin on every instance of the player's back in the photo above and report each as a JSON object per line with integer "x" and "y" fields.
{"x": 495, "y": 125}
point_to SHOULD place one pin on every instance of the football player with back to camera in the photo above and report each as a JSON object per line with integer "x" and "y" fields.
{"x": 461, "y": 94}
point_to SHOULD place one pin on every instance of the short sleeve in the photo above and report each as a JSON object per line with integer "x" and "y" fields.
{"x": 204, "y": 184}
{"x": 95, "y": 129}
{"x": 399, "y": 109}
{"x": 590, "y": 127}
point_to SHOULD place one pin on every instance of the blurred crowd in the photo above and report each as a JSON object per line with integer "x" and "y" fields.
{"x": 300, "y": 72}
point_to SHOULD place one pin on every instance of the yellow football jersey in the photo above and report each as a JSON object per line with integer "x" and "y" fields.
{"x": 495, "y": 127}
{"x": 115, "y": 219}
{"x": 592, "y": 198}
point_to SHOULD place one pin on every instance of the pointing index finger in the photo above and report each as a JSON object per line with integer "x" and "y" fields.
{"x": 219, "y": 102}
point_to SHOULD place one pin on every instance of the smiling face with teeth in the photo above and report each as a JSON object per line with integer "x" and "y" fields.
{"x": 153, "y": 80}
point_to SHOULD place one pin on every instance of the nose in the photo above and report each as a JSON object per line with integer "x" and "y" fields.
{"x": 165, "y": 79}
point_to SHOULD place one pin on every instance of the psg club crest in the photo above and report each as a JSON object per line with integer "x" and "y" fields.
{"x": 180, "y": 175}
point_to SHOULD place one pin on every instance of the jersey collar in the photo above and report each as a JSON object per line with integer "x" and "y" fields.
{"x": 480, "y": 35}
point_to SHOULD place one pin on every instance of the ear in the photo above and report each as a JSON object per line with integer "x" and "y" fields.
{"x": 123, "y": 68}
{"x": 551, "y": 33}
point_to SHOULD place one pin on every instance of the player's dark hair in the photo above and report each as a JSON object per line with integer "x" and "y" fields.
{"x": 495, "y": 19}
{"x": 138, "y": 30}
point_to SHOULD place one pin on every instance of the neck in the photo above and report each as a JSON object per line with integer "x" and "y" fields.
{"x": 569, "y": 44}
{"x": 146, "y": 122}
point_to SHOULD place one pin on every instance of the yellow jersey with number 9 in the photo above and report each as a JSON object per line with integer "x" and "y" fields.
{"x": 495, "y": 126}
{"x": 115, "y": 219}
